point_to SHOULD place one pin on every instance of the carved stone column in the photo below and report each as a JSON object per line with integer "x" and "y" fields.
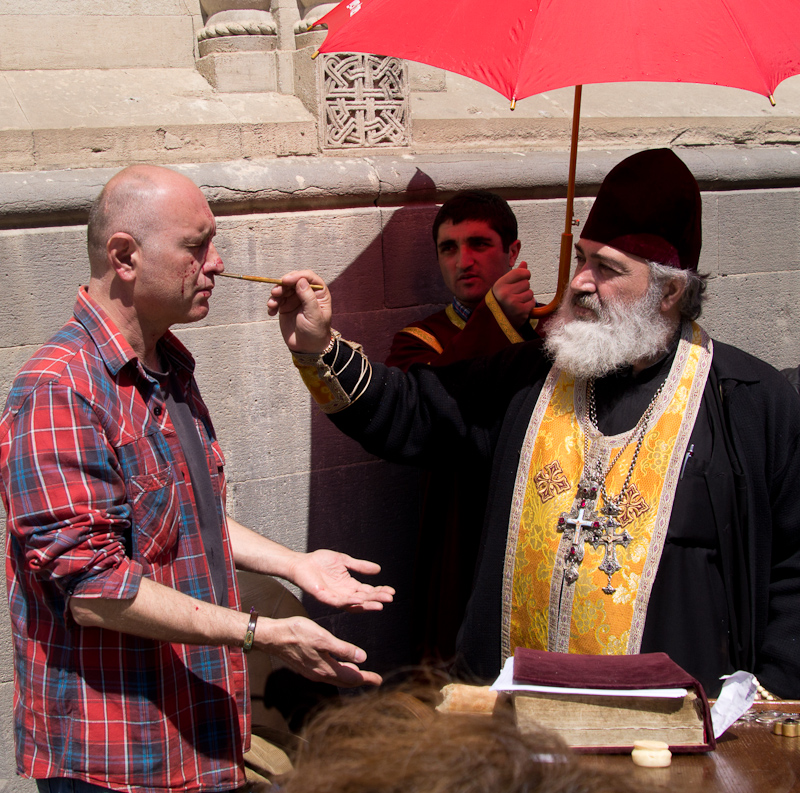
{"x": 287, "y": 15}
{"x": 238, "y": 46}
{"x": 310, "y": 12}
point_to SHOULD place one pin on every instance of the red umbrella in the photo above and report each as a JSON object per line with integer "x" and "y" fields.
{"x": 525, "y": 47}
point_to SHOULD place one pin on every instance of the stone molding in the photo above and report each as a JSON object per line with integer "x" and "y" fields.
{"x": 249, "y": 27}
{"x": 307, "y": 183}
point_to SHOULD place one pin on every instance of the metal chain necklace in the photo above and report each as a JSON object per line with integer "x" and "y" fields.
{"x": 638, "y": 432}
{"x": 583, "y": 520}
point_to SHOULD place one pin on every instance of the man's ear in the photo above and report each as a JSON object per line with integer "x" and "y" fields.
{"x": 672, "y": 294}
{"x": 123, "y": 255}
{"x": 513, "y": 252}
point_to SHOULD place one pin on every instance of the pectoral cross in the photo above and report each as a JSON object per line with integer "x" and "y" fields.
{"x": 610, "y": 539}
{"x": 587, "y": 526}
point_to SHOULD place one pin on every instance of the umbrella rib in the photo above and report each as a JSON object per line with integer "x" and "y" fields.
{"x": 746, "y": 42}
{"x": 527, "y": 34}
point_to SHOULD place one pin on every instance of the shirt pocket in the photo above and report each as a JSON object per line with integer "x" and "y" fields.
{"x": 155, "y": 512}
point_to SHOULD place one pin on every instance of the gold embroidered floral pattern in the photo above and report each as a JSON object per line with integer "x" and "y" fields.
{"x": 631, "y": 506}
{"x": 550, "y": 481}
{"x": 657, "y": 451}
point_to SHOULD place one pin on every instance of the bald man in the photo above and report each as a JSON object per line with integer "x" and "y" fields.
{"x": 129, "y": 634}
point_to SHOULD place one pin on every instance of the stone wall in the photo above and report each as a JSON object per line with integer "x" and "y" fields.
{"x": 363, "y": 224}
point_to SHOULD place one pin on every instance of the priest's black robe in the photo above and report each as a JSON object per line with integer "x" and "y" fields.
{"x": 727, "y": 592}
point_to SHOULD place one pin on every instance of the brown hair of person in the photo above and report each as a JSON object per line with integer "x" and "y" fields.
{"x": 397, "y": 743}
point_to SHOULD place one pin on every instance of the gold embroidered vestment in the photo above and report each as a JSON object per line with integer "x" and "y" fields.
{"x": 542, "y": 608}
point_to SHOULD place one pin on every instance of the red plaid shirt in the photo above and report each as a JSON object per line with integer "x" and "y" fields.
{"x": 97, "y": 493}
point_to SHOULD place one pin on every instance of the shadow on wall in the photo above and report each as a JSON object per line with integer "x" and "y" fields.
{"x": 359, "y": 504}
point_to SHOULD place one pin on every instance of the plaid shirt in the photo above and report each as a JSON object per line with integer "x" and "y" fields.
{"x": 98, "y": 494}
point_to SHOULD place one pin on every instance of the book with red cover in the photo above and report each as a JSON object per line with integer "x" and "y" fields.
{"x": 613, "y": 672}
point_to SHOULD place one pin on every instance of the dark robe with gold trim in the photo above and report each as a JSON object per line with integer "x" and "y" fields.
{"x": 727, "y": 592}
{"x": 454, "y": 496}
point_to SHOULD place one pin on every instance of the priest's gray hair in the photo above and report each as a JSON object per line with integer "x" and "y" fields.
{"x": 691, "y": 305}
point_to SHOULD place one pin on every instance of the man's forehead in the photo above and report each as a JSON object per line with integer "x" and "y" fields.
{"x": 467, "y": 228}
{"x": 603, "y": 252}
{"x": 185, "y": 204}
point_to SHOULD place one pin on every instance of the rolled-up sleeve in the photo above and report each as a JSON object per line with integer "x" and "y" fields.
{"x": 67, "y": 504}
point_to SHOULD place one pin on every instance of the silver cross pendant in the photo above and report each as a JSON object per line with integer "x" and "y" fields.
{"x": 611, "y": 540}
{"x": 584, "y": 524}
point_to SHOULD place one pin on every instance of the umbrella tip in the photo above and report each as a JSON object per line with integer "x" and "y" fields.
{"x": 513, "y": 103}
{"x": 771, "y": 100}
{"x": 314, "y": 54}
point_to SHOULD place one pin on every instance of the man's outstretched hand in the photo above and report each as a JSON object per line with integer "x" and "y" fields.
{"x": 326, "y": 575}
{"x": 304, "y": 314}
{"x": 313, "y": 652}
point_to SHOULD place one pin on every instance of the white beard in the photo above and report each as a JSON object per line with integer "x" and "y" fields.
{"x": 619, "y": 335}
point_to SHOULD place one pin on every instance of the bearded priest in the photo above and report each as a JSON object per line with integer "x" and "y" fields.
{"x": 645, "y": 479}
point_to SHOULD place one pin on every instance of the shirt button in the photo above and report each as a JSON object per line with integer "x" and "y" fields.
{"x": 157, "y": 410}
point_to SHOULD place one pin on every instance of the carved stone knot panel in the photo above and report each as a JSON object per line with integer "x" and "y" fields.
{"x": 364, "y": 101}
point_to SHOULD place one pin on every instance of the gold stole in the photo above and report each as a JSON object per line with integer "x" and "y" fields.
{"x": 541, "y": 610}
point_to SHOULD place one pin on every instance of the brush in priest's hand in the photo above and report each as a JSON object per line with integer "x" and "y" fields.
{"x": 264, "y": 280}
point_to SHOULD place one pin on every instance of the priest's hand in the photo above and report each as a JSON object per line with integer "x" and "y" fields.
{"x": 313, "y": 652}
{"x": 304, "y": 314}
{"x": 514, "y": 295}
{"x": 326, "y": 575}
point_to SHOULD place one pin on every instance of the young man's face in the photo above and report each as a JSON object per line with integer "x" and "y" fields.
{"x": 471, "y": 258}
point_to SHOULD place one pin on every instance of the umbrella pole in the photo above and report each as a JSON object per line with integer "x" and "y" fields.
{"x": 565, "y": 257}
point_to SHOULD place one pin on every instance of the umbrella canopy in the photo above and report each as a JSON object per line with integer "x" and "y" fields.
{"x": 525, "y": 47}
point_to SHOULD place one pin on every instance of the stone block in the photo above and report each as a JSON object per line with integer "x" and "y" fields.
{"x": 9, "y": 781}
{"x": 759, "y": 313}
{"x": 149, "y": 115}
{"x": 306, "y": 79}
{"x": 240, "y": 72}
{"x": 112, "y": 146}
{"x": 374, "y": 330}
{"x": 304, "y": 511}
{"x": 276, "y": 507}
{"x": 94, "y": 42}
{"x": 262, "y": 109}
{"x": 16, "y": 140}
{"x": 92, "y": 8}
{"x": 771, "y": 243}
{"x": 40, "y": 272}
{"x": 709, "y": 254}
{"x": 344, "y": 247}
{"x": 116, "y": 99}
{"x": 541, "y": 224}
{"x": 422, "y": 77}
{"x": 411, "y": 271}
{"x": 12, "y": 359}
{"x": 232, "y": 44}
{"x": 11, "y": 114}
{"x": 258, "y": 403}
{"x": 291, "y": 139}
{"x": 16, "y": 150}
